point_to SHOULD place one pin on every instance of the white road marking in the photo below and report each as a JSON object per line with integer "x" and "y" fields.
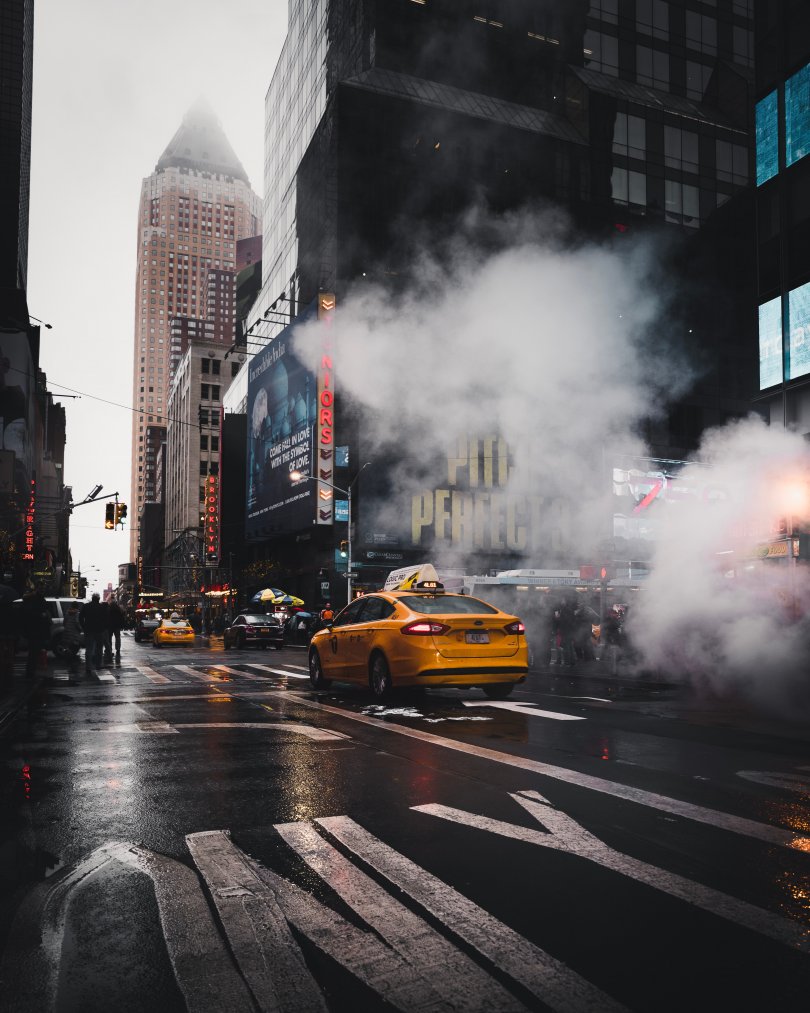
{"x": 279, "y": 671}
{"x": 459, "y": 981}
{"x": 301, "y": 668}
{"x": 202, "y": 967}
{"x": 700, "y": 814}
{"x": 260, "y": 938}
{"x": 565, "y": 834}
{"x": 202, "y": 676}
{"x": 777, "y": 779}
{"x": 359, "y": 951}
{"x": 595, "y": 699}
{"x": 151, "y": 674}
{"x": 522, "y": 708}
{"x": 240, "y": 673}
{"x": 163, "y": 728}
{"x": 104, "y": 677}
{"x": 555, "y": 984}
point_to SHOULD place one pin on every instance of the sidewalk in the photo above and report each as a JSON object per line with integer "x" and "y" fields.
{"x": 19, "y": 693}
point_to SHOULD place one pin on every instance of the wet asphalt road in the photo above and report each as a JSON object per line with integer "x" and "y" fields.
{"x": 205, "y": 832}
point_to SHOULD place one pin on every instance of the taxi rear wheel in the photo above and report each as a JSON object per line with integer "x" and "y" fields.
{"x": 316, "y": 676}
{"x": 498, "y": 691}
{"x": 379, "y": 678}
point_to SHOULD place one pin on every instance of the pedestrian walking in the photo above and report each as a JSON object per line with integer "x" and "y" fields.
{"x": 612, "y": 635}
{"x": 93, "y": 621}
{"x": 72, "y": 638}
{"x": 115, "y": 623}
{"x": 327, "y": 614}
{"x": 36, "y": 628}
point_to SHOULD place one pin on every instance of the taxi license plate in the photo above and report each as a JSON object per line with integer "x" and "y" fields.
{"x": 477, "y": 638}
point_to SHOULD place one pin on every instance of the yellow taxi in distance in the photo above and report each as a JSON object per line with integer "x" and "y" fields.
{"x": 420, "y": 637}
{"x": 174, "y": 630}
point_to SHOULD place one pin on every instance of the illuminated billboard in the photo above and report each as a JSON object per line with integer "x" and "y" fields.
{"x": 291, "y": 428}
{"x": 797, "y": 116}
{"x": 798, "y": 351}
{"x": 767, "y": 137}
{"x": 770, "y": 343}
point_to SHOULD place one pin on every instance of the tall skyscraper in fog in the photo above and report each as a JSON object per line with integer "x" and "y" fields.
{"x": 194, "y": 208}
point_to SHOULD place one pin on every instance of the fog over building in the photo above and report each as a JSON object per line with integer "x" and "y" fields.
{"x": 193, "y": 210}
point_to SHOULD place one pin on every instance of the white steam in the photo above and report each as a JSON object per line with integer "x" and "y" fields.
{"x": 714, "y": 610}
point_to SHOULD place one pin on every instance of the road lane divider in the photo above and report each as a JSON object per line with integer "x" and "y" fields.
{"x": 563, "y": 833}
{"x": 711, "y": 817}
{"x": 523, "y": 708}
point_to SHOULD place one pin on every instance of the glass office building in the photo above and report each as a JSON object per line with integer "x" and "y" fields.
{"x": 782, "y": 117}
{"x": 385, "y": 117}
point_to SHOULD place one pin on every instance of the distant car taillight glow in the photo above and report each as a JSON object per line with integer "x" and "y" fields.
{"x": 516, "y": 627}
{"x": 424, "y": 628}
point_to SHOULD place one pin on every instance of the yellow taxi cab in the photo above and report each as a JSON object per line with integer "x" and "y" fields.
{"x": 420, "y": 636}
{"x": 174, "y": 630}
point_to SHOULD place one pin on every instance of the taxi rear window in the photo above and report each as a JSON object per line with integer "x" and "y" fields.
{"x": 447, "y": 604}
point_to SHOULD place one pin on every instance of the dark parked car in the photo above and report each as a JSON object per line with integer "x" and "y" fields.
{"x": 252, "y": 629}
{"x": 145, "y": 625}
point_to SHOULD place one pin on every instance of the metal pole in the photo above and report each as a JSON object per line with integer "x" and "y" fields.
{"x": 349, "y": 545}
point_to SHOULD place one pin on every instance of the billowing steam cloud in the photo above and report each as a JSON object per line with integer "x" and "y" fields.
{"x": 562, "y": 351}
{"x": 714, "y": 610}
{"x": 558, "y": 351}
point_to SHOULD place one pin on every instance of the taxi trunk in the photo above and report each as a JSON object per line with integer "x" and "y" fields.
{"x": 474, "y": 637}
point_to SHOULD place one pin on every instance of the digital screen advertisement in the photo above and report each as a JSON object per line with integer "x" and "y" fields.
{"x": 282, "y": 415}
{"x": 797, "y": 116}
{"x": 798, "y": 352}
{"x": 770, "y": 343}
{"x": 767, "y": 137}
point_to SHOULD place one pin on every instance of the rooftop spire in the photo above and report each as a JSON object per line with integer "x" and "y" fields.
{"x": 200, "y": 143}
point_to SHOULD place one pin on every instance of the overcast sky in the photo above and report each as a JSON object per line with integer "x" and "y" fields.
{"x": 111, "y": 84}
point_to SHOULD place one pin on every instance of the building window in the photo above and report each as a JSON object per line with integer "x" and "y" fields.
{"x": 203, "y": 443}
{"x": 206, "y": 365}
{"x": 652, "y": 67}
{"x": 215, "y": 443}
{"x": 601, "y": 52}
{"x": 681, "y": 149}
{"x": 682, "y": 203}
{"x": 204, "y": 391}
{"x": 630, "y": 136}
{"x": 797, "y": 116}
{"x": 234, "y": 368}
{"x": 215, "y": 392}
{"x": 652, "y": 17}
{"x": 215, "y": 366}
{"x": 732, "y": 162}
{"x": 605, "y": 10}
{"x": 628, "y": 187}
{"x": 701, "y": 33}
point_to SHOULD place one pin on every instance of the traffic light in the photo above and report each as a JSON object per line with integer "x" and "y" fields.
{"x": 120, "y": 512}
{"x": 344, "y": 549}
{"x": 109, "y": 516}
{"x": 604, "y": 573}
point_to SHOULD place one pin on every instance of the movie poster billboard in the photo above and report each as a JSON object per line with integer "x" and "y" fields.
{"x": 282, "y": 415}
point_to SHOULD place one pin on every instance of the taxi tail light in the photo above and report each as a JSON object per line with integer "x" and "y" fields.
{"x": 515, "y": 627}
{"x": 424, "y": 628}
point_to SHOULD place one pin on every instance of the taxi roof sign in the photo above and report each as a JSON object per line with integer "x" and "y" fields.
{"x": 406, "y": 578}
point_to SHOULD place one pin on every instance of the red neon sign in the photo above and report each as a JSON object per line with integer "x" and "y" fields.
{"x": 30, "y": 513}
{"x": 211, "y": 523}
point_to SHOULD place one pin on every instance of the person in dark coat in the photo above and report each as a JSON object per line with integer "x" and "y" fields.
{"x": 93, "y": 620}
{"x": 36, "y": 627}
{"x": 115, "y": 623}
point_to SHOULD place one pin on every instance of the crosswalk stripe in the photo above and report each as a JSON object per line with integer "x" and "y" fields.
{"x": 357, "y": 950}
{"x": 555, "y": 984}
{"x": 452, "y": 973}
{"x": 202, "y": 676}
{"x": 105, "y": 677}
{"x": 151, "y": 674}
{"x": 260, "y": 938}
{"x": 239, "y": 672}
{"x": 279, "y": 671}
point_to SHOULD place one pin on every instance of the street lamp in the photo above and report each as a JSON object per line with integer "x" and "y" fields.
{"x": 298, "y": 476}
